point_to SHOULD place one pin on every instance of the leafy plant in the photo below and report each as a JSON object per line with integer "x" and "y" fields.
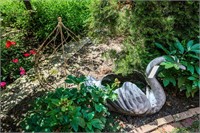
{"x": 77, "y": 109}
{"x": 186, "y": 54}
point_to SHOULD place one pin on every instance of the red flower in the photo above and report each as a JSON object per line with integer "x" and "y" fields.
{"x": 9, "y": 44}
{"x": 26, "y": 54}
{"x": 32, "y": 52}
{"x": 2, "y": 84}
{"x": 15, "y": 60}
{"x": 22, "y": 71}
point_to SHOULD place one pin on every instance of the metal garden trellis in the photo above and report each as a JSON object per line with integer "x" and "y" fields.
{"x": 52, "y": 47}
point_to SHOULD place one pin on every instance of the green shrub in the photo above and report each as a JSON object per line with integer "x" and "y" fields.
{"x": 132, "y": 57}
{"x": 14, "y": 14}
{"x": 44, "y": 18}
{"x": 102, "y": 20}
{"x": 73, "y": 12}
{"x": 186, "y": 54}
{"x": 79, "y": 109}
{"x": 156, "y": 21}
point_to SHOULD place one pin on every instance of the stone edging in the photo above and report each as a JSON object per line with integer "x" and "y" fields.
{"x": 166, "y": 120}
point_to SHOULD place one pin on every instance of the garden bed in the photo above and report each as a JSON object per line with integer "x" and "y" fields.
{"x": 89, "y": 61}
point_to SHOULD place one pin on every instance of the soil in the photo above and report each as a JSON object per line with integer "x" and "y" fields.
{"x": 89, "y": 61}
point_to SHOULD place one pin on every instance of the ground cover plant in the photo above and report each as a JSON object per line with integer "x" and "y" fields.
{"x": 79, "y": 109}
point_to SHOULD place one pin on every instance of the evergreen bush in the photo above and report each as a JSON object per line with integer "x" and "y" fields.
{"x": 102, "y": 20}
{"x": 156, "y": 21}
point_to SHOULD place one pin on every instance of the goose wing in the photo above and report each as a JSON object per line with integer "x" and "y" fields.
{"x": 131, "y": 100}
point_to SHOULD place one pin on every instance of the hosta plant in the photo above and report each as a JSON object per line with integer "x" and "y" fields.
{"x": 187, "y": 54}
{"x": 77, "y": 109}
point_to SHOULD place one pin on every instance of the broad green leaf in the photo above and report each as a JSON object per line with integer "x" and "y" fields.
{"x": 188, "y": 90}
{"x": 189, "y": 44}
{"x": 90, "y": 116}
{"x": 167, "y": 65}
{"x": 191, "y": 78}
{"x": 161, "y": 47}
{"x": 99, "y": 107}
{"x": 55, "y": 101}
{"x": 89, "y": 125}
{"x": 173, "y": 52}
{"x": 194, "y": 91}
{"x": 103, "y": 119}
{"x": 187, "y": 94}
{"x": 194, "y": 56}
{"x": 176, "y": 66}
{"x": 81, "y": 79}
{"x": 66, "y": 119}
{"x": 71, "y": 79}
{"x": 195, "y": 47}
{"x": 196, "y": 51}
{"x": 169, "y": 58}
{"x": 165, "y": 82}
{"x": 197, "y": 68}
{"x": 173, "y": 81}
{"x": 181, "y": 81}
{"x": 190, "y": 68}
{"x": 74, "y": 123}
{"x": 196, "y": 83}
{"x": 81, "y": 122}
{"x": 97, "y": 124}
{"x": 180, "y": 47}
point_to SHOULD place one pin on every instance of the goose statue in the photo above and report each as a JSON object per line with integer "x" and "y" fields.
{"x": 131, "y": 99}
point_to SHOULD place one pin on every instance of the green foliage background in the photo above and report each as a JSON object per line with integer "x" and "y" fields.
{"x": 43, "y": 18}
{"x": 73, "y": 12}
{"x": 144, "y": 24}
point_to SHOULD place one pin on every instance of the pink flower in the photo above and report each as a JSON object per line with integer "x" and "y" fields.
{"x": 26, "y": 54}
{"x": 32, "y": 52}
{"x": 22, "y": 71}
{"x": 15, "y": 60}
{"x": 2, "y": 84}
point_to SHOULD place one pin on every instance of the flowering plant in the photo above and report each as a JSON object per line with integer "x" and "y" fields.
{"x": 15, "y": 61}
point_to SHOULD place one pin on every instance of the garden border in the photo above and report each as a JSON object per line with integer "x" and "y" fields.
{"x": 166, "y": 120}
